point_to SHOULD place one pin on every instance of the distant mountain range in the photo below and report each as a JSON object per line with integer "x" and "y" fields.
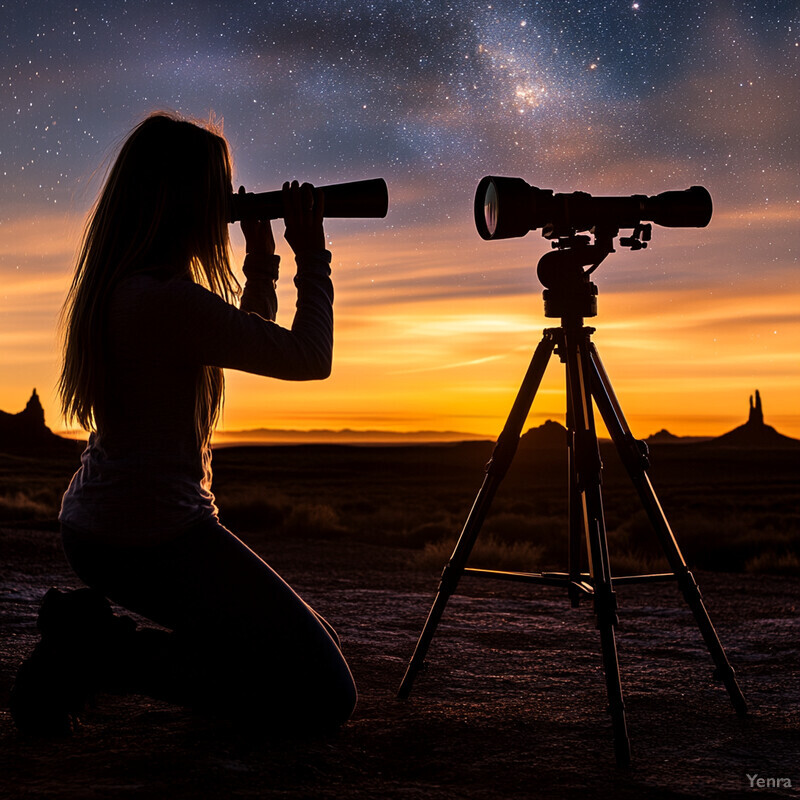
{"x": 754, "y": 434}
{"x": 26, "y": 432}
{"x": 345, "y": 436}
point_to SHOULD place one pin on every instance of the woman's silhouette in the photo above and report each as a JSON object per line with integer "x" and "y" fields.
{"x": 149, "y": 325}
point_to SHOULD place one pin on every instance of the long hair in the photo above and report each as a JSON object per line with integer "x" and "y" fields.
{"x": 164, "y": 203}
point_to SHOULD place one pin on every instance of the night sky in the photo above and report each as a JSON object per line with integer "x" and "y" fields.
{"x": 435, "y": 326}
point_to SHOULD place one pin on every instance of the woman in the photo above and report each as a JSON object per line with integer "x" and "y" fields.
{"x": 149, "y": 327}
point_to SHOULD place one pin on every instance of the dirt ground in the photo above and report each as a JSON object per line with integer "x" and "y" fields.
{"x": 512, "y": 704}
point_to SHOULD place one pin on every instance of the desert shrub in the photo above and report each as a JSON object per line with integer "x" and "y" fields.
{"x": 728, "y": 541}
{"x": 510, "y": 527}
{"x": 488, "y": 553}
{"x": 384, "y": 523}
{"x": 424, "y": 534}
{"x": 359, "y": 508}
{"x": 400, "y": 524}
{"x": 522, "y": 507}
{"x": 22, "y": 506}
{"x": 252, "y": 508}
{"x": 772, "y": 563}
{"x": 635, "y": 536}
{"x": 547, "y": 535}
{"x": 313, "y": 520}
{"x": 631, "y": 563}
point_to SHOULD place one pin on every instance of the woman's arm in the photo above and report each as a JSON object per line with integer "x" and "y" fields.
{"x": 260, "y": 268}
{"x": 179, "y": 321}
{"x": 182, "y": 322}
{"x": 259, "y": 297}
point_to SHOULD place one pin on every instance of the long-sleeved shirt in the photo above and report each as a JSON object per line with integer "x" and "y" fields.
{"x": 143, "y": 477}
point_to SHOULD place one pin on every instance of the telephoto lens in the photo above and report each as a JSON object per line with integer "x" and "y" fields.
{"x": 510, "y": 207}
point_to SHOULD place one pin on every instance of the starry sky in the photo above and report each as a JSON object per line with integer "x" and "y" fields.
{"x": 435, "y": 327}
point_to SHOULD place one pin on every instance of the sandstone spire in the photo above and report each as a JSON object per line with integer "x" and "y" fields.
{"x": 26, "y": 432}
{"x": 756, "y": 413}
{"x": 34, "y": 413}
{"x": 754, "y": 432}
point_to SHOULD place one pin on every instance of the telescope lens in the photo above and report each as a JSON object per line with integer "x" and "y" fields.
{"x": 490, "y": 211}
{"x": 514, "y": 219}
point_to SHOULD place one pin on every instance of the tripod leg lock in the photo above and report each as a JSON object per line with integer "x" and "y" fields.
{"x": 605, "y": 607}
{"x": 448, "y": 580}
{"x": 686, "y": 582}
{"x": 616, "y": 709}
{"x": 588, "y": 464}
{"x": 503, "y": 454}
{"x": 723, "y": 674}
{"x": 640, "y": 447}
{"x": 636, "y": 454}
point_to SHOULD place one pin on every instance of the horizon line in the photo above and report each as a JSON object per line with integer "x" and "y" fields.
{"x": 369, "y": 435}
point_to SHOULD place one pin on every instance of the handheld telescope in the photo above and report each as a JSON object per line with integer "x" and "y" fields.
{"x": 355, "y": 199}
{"x": 509, "y": 207}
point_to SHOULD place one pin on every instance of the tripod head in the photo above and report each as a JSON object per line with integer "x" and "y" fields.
{"x": 569, "y": 293}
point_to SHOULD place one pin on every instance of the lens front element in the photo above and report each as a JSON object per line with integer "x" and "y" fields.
{"x": 490, "y": 212}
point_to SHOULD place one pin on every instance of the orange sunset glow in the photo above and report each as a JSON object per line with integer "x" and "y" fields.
{"x": 435, "y": 327}
{"x": 408, "y": 358}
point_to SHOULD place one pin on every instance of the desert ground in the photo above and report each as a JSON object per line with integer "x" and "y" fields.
{"x": 512, "y": 703}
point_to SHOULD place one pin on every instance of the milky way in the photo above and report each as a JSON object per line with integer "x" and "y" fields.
{"x": 554, "y": 90}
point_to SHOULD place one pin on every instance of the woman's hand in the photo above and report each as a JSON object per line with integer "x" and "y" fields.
{"x": 258, "y": 237}
{"x": 304, "y": 208}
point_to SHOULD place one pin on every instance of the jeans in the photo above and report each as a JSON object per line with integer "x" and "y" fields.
{"x": 242, "y": 642}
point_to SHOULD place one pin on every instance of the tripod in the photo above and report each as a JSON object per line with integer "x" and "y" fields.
{"x": 572, "y": 296}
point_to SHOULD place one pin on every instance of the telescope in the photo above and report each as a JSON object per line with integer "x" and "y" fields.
{"x": 509, "y": 207}
{"x": 368, "y": 198}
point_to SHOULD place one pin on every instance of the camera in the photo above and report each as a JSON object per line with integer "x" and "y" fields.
{"x": 368, "y": 198}
{"x": 509, "y": 207}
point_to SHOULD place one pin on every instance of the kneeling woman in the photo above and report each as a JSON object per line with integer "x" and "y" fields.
{"x": 149, "y": 326}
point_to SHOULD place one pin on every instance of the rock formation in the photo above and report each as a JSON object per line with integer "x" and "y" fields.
{"x": 756, "y": 413}
{"x": 755, "y": 433}
{"x": 549, "y": 434}
{"x": 33, "y": 414}
{"x": 663, "y": 437}
{"x": 26, "y": 431}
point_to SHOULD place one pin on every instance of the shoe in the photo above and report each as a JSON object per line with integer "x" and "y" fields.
{"x": 79, "y": 636}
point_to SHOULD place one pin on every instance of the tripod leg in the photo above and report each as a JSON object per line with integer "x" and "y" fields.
{"x": 588, "y": 478}
{"x": 635, "y": 460}
{"x": 496, "y": 469}
{"x": 575, "y": 518}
